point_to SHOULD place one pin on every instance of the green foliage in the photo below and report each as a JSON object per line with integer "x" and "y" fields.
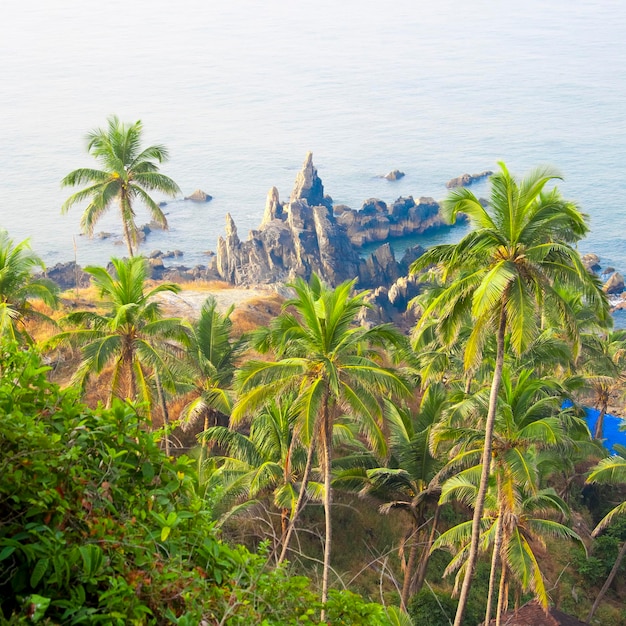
{"x": 436, "y": 608}
{"x": 596, "y": 567}
{"x": 97, "y": 525}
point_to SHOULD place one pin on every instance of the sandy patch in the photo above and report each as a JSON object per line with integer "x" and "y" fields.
{"x": 187, "y": 303}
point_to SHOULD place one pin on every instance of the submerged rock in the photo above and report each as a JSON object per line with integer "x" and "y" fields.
{"x": 467, "y": 179}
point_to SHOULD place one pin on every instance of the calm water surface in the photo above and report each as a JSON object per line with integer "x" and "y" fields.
{"x": 239, "y": 92}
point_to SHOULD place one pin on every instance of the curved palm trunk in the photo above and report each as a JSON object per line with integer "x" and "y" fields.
{"x": 423, "y": 564}
{"x": 484, "y": 476}
{"x": 408, "y": 570}
{"x": 299, "y": 503}
{"x": 608, "y": 581}
{"x": 328, "y": 500}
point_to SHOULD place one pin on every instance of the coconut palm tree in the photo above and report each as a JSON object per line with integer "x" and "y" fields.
{"x": 18, "y": 286}
{"x": 129, "y": 172}
{"x": 505, "y": 273}
{"x": 409, "y": 481}
{"x": 269, "y": 460}
{"x": 611, "y": 470}
{"x": 211, "y": 355}
{"x": 131, "y": 336}
{"x": 604, "y": 368}
{"x": 331, "y": 367}
{"x": 516, "y": 522}
{"x": 529, "y": 419}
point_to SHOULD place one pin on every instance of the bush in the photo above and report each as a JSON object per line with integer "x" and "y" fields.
{"x": 97, "y": 525}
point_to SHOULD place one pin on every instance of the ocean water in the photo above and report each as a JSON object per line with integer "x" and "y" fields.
{"x": 239, "y": 91}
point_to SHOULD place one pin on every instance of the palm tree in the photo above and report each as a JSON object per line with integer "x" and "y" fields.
{"x": 409, "y": 482}
{"x": 18, "y": 286}
{"x": 517, "y": 521}
{"x": 131, "y": 335}
{"x": 128, "y": 173}
{"x": 611, "y": 470}
{"x": 604, "y": 367}
{"x": 330, "y": 366}
{"x": 505, "y": 272}
{"x": 268, "y": 460}
{"x": 210, "y": 364}
{"x": 529, "y": 419}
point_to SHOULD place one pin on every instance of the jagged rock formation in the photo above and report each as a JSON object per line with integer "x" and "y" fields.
{"x": 305, "y": 235}
{"x": 467, "y": 179}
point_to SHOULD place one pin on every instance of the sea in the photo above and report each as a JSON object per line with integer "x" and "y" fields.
{"x": 240, "y": 91}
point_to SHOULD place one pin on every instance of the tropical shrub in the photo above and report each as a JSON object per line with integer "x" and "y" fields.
{"x": 98, "y": 525}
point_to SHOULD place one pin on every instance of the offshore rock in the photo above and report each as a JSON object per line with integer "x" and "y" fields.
{"x": 591, "y": 261}
{"x": 467, "y": 179}
{"x": 199, "y": 196}
{"x": 394, "y": 175}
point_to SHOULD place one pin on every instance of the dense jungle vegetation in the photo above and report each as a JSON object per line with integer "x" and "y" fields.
{"x": 336, "y": 474}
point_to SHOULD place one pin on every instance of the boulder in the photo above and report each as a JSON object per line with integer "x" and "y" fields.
{"x": 467, "y": 179}
{"x": 199, "y": 196}
{"x": 394, "y": 175}
{"x": 614, "y": 285}
{"x": 591, "y": 261}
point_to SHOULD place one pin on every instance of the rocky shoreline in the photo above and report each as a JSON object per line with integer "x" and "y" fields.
{"x": 308, "y": 233}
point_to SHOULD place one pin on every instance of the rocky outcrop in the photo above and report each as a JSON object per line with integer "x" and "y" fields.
{"x": 306, "y": 235}
{"x": 68, "y": 275}
{"x": 467, "y": 179}
{"x": 199, "y": 196}
{"x": 375, "y": 221}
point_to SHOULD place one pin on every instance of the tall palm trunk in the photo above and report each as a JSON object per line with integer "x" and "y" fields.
{"x": 494, "y": 565}
{"x": 328, "y": 500}
{"x": 604, "y": 404}
{"x": 608, "y": 581}
{"x": 129, "y": 244}
{"x": 503, "y": 599}
{"x": 299, "y": 503}
{"x": 423, "y": 564}
{"x": 484, "y": 476}
{"x": 410, "y": 564}
{"x": 166, "y": 415}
